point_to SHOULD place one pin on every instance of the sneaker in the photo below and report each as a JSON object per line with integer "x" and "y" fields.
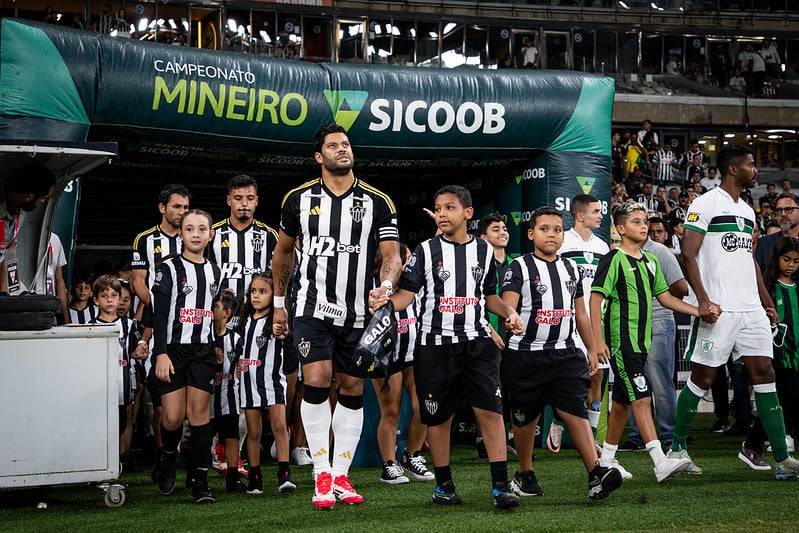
{"x": 446, "y": 495}
{"x": 753, "y": 459}
{"x": 511, "y": 447}
{"x": 256, "y": 482}
{"x": 720, "y": 426}
{"x": 218, "y": 460}
{"x": 789, "y": 442}
{"x": 630, "y": 446}
{"x": 201, "y": 492}
{"x": 416, "y": 466}
{"x": 525, "y": 484}
{"x": 242, "y": 471}
{"x": 683, "y": 454}
{"x": 738, "y": 429}
{"x": 323, "y": 497}
{"x": 167, "y": 471}
{"x": 392, "y": 474}
{"x": 669, "y": 467}
{"x": 555, "y": 437}
{"x": 480, "y": 447}
{"x": 602, "y": 481}
{"x": 623, "y": 471}
{"x": 235, "y": 486}
{"x": 301, "y": 456}
{"x": 788, "y": 468}
{"x": 504, "y": 498}
{"x": 344, "y": 491}
{"x": 284, "y": 483}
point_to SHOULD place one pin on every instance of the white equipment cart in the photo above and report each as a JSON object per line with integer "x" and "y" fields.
{"x": 60, "y": 415}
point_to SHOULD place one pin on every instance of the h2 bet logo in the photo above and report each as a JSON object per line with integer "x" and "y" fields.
{"x": 328, "y": 247}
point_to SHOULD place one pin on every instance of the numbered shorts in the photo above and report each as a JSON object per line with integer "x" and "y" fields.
{"x": 539, "y": 378}
{"x": 630, "y": 382}
{"x": 317, "y": 340}
{"x": 735, "y": 334}
{"x": 446, "y": 374}
{"x": 195, "y": 366}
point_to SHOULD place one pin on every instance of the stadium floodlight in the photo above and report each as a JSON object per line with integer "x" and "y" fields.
{"x": 173, "y": 24}
{"x": 232, "y": 25}
{"x": 729, "y": 135}
{"x": 450, "y": 26}
{"x": 623, "y": 4}
{"x": 185, "y": 24}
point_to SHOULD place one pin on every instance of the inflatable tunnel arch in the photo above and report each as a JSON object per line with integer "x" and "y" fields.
{"x": 551, "y": 128}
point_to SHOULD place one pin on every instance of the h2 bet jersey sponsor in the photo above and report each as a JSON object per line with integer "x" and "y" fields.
{"x": 241, "y": 254}
{"x": 339, "y": 237}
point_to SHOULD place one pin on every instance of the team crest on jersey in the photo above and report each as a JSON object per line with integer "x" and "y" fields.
{"x": 740, "y": 222}
{"x": 184, "y": 287}
{"x": 257, "y": 243}
{"x": 651, "y": 267}
{"x": 213, "y": 287}
{"x": 357, "y": 213}
{"x": 589, "y": 257}
{"x": 640, "y": 383}
{"x": 261, "y": 341}
{"x": 304, "y": 347}
{"x": 539, "y": 287}
{"x": 706, "y": 345}
{"x": 571, "y": 286}
{"x": 442, "y": 274}
{"x": 431, "y": 406}
{"x": 519, "y": 416}
{"x": 477, "y": 273}
{"x": 231, "y": 355}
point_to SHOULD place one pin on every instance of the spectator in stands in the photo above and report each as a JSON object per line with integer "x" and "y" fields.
{"x": 737, "y": 82}
{"x": 772, "y": 228}
{"x": 529, "y": 54}
{"x": 769, "y": 90}
{"x": 745, "y": 65}
{"x": 647, "y": 199}
{"x": 681, "y": 210}
{"x": 619, "y": 194}
{"x": 617, "y": 157}
{"x": 666, "y": 160}
{"x": 632, "y": 156}
{"x": 770, "y": 195}
{"x": 673, "y": 67}
{"x": 49, "y": 15}
{"x": 121, "y": 24}
{"x": 674, "y": 195}
{"x": 786, "y": 185}
{"x": 693, "y": 170}
{"x": 787, "y": 217}
{"x": 106, "y": 20}
{"x": 687, "y": 158}
{"x": 665, "y": 204}
{"x": 757, "y": 72}
{"x": 766, "y": 214}
{"x": 506, "y": 62}
{"x": 647, "y": 138}
{"x": 698, "y": 189}
{"x": 635, "y": 183}
{"x": 712, "y": 180}
{"x": 675, "y": 230}
{"x": 772, "y": 58}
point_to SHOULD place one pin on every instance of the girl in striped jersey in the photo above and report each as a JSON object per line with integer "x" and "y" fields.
{"x": 401, "y": 375}
{"x": 263, "y": 383}
{"x": 81, "y": 309}
{"x": 780, "y": 278}
{"x": 185, "y": 360}
{"x": 225, "y": 400}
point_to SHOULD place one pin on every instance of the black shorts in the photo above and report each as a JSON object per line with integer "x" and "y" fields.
{"x": 444, "y": 374}
{"x": 195, "y": 366}
{"x": 536, "y": 379}
{"x": 153, "y": 388}
{"x": 123, "y": 418}
{"x": 630, "y": 382}
{"x": 291, "y": 357}
{"x": 317, "y": 340}
{"x": 227, "y": 426}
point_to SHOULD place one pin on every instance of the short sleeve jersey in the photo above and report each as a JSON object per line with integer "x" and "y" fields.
{"x": 150, "y": 247}
{"x": 725, "y": 257}
{"x": 339, "y": 238}
{"x": 586, "y": 256}
{"x": 547, "y": 290}
{"x": 628, "y": 285}
{"x": 672, "y": 273}
{"x": 128, "y": 339}
{"x": 451, "y": 280}
{"x": 226, "y": 389}
{"x": 241, "y": 254}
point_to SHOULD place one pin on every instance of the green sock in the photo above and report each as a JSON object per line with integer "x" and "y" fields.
{"x": 770, "y": 413}
{"x": 687, "y": 403}
{"x": 602, "y": 425}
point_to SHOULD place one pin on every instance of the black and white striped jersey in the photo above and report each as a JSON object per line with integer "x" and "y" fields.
{"x": 451, "y": 281}
{"x": 547, "y": 290}
{"x": 225, "y": 400}
{"x": 183, "y": 302}
{"x": 339, "y": 237}
{"x": 149, "y": 247}
{"x": 263, "y": 382}
{"x": 128, "y": 340}
{"x": 406, "y": 333}
{"x": 240, "y": 254}
{"x": 666, "y": 161}
{"x": 87, "y": 315}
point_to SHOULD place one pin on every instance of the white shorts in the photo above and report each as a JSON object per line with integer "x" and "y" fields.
{"x": 736, "y": 334}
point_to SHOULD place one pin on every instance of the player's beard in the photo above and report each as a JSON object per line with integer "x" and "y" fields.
{"x": 336, "y": 168}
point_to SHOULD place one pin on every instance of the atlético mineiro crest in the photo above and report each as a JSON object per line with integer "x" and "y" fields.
{"x": 257, "y": 243}
{"x": 571, "y": 286}
{"x": 304, "y": 347}
{"x": 740, "y": 222}
{"x": 231, "y": 355}
{"x": 589, "y": 257}
{"x": 477, "y": 273}
{"x": 213, "y": 287}
{"x": 357, "y": 213}
{"x": 261, "y": 341}
{"x": 431, "y": 406}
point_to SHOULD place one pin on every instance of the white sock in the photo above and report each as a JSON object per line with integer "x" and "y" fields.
{"x": 608, "y": 454}
{"x": 316, "y": 421}
{"x": 347, "y": 425}
{"x": 655, "y": 451}
{"x": 593, "y": 418}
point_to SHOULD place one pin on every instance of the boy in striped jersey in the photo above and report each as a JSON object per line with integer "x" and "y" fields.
{"x": 628, "y": 278}
{"x": 454, "y": 274}
{"x": 543, "y": 364}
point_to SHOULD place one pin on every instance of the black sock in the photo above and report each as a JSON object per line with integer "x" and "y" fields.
{"x": 283, "y": 468}
{"x": 443, "y": 474}
{"x": 200, "y": 442}
{"x": 171, "y": 439}
{"x": 255, "y": 472}
{"x": 232, "y": 476}
{"x": 499, "y": 472}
